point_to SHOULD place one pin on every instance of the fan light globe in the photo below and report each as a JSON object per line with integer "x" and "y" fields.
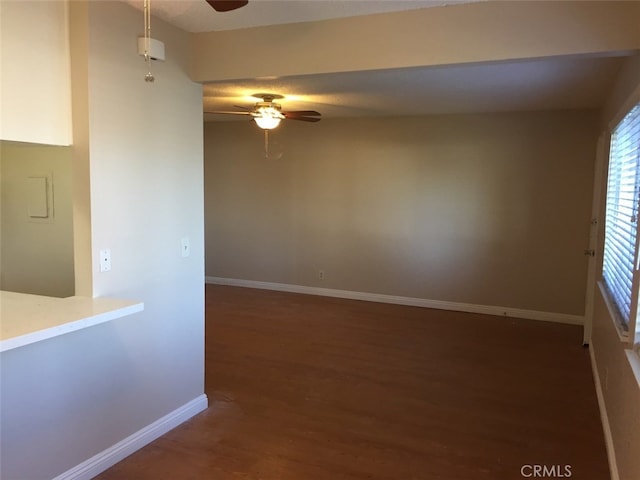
{"x": 267, "y": 122}
{"x": 268, "y": 116}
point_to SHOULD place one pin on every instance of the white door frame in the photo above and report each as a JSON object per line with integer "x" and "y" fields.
{"x": 595, "y": 233}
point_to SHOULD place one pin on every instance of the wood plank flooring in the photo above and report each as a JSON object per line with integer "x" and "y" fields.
{"x": 312, "y": 388}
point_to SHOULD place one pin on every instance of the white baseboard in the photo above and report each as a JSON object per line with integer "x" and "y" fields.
{"x": 112, "y": 455}
{"x": 408, "y": 301}
{"x": 606, "y": 427}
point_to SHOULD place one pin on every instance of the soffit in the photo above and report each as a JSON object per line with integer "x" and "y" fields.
{"x": 545, "y": 84}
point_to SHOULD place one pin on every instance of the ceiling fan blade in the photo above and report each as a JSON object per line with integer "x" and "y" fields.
{"x": 243, "y": 108}
{"x": 229, "y": 113}
{"x": 301, "y": 113}
{"x": 227, "y": 5}
{"x": 304, "y": 119}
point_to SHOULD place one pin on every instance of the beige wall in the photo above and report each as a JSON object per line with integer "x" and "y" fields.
{"x": 480, "y": 209}
{"x": 620, "y": 388}
{"x": 36, "y": 254}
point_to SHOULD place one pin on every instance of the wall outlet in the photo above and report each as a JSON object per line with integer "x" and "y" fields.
{"x": 321, "y": 274}
{"x": 105, "y": 260}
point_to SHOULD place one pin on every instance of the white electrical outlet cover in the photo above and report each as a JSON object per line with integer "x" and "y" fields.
{"x": 105, "y": 260}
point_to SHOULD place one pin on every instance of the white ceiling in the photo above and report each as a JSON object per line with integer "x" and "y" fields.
{"x": 552, "y": 83}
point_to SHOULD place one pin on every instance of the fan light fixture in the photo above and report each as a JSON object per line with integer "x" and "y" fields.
{"x": 268, "y": 114}
{"x": 268, "y": 118}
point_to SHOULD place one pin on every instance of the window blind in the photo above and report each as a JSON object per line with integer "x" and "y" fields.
{"x": 621, "y": 215}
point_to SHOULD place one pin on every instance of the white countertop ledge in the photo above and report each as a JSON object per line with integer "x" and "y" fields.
{"x": 27, "y": 319}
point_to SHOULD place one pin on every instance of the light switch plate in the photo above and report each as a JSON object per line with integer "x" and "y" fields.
{"x": 185, "y": 247}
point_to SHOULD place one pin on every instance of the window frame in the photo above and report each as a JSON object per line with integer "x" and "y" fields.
{"x": 629, "y": 331}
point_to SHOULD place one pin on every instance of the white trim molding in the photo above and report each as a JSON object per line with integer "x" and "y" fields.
{"x": 634, "y": 360}
{"x": 112, "y": 455}
{"x": 408, "y": 301}
{"x": 604, "y": 417}
{"x": 623, "y": 336}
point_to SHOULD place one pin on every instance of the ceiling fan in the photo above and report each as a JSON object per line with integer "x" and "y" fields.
{"x": 227, "y": 5}
{"x": 267, "y": 114}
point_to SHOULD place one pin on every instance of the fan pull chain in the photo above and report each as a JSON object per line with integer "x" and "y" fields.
{"x": 147, "y": 41}
{"x": 266, "y": 144}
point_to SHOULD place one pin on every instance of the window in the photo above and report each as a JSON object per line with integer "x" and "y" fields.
{"x": 620, "y": 258}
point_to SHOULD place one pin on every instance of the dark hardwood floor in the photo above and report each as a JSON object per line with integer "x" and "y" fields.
{"x": 312, "y": 388}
